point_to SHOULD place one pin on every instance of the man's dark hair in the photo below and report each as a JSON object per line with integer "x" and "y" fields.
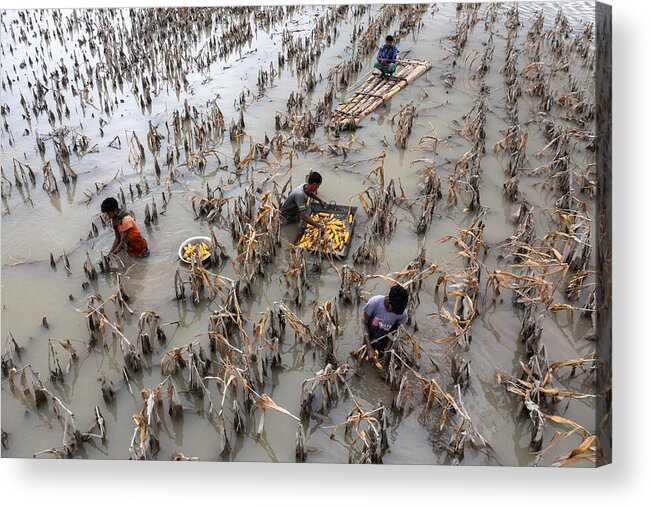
{"x": 109, "y": 204}
{"x": 398, "y": 297}
{"x": 314, "y": 177}
{"x": 389, "y": 38}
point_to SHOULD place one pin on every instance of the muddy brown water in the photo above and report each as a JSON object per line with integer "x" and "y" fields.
{"x": 31, "y": 289}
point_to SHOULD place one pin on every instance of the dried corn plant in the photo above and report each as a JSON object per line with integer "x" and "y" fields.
{"x": 536, "y": 278}
{"x": 49, "y": 181}
{"x": 257, "y": 235}
{"x": 463, "y": 286}
{"x": 377, "y": 201}
{"x": 524, "y": 234}
{"x": 405, "y": 117}
{"x": 154, "y": 138}
{"x": 351, "y": 283}
{"x": 267, "y": 222}
{"x": 210, "y": 205}
{"x": 537, "y": 392}
{"x": 473, "y": 129}
{"x": 107, "y": 387}
{"x": 411, "y": 278}
{"x": 572, "y": 239}
{"x": 29, "y": 387}
{"x": 302, "y": 332}
{"x": 95, "y": 316}
{"x": 145, "y": 443}
{"x": 89, "y": 268}
{"x": 263, "y": 353}
{"x": 368, "y": 428}
{"x": 54, "y": 366}
{"x": 136, "y": 149}
{"x": 25, "y": 384}
{"x": 108, "y": 263}
{"x": 220, "y": 331}
{"x": 326, "y": 318}
{"x": 265, "y": 403}
{"x": 11, "y": 356}
{"x": 295, "y": 276}
{"x": 121, "y": 298}
{"x": 319, "y": 393}
{"x": 366, "y": 251}
{"x": 443, "y": 413}
{"x": 383, "y": 222}
{"x": 587, "y": 450}
{"x": 514, "y": 145}
{"x": 148, "y": 327}
{"x": 204, "y": 284}
{"x": 245, "y": 401}
{"x": 73, "y": 438}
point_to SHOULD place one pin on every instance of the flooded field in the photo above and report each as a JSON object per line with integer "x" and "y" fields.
{"x": 475, "y": 189}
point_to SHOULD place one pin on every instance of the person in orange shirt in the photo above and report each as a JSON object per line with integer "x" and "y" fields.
{"x": 126, "y": 231}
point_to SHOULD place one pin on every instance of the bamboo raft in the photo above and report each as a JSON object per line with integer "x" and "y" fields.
{"x": 375, "y": 90}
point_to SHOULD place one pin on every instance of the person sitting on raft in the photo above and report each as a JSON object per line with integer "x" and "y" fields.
{"x": 386, "y": 57}
{"x": 125, "y": 228}
{"x": 295, "y": 206}
{"x": 381, "y": 316}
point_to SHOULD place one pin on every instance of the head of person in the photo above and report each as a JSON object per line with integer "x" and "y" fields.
{"x": 397, "y": 299}
{"x": 313, "y": 181}
{"x": 389, "y": 40}
{"x": 110, "y": 207}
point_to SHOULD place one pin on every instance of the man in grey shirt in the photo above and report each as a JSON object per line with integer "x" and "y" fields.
{"x": 295, "y": 206}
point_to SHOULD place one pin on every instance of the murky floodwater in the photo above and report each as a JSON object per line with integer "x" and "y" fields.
{"x": 35, "y": 224}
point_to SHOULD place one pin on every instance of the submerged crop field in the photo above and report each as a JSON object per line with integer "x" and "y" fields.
{"x": 474, "y": 187}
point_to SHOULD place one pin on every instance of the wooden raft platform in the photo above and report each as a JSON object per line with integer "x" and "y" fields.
{"x": 375, "y": 90}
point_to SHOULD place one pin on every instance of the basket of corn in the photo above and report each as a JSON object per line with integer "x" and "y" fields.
{"x": 195, "y": 249}
{"x": 334, "y": 239}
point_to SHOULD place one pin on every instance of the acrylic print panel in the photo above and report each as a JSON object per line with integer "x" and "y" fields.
{"x": 443, "y": 298}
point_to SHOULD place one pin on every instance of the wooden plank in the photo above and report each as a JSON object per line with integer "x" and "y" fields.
{"x": 397, "y": 78}
{"x": 370, "y": 95}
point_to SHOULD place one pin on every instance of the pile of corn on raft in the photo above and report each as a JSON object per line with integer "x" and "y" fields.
{"x": 199, "y": 251}
{"x": 333, "y": 239}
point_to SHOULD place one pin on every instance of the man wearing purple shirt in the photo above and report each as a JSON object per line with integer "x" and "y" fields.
{"x": 382, "y": 315}
{"x": 386, "y": 57}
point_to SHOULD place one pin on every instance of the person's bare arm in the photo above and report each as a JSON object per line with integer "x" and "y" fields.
{"x": 316, "y": 198}
{"x": 121, "y": 242}
{"x": 308, "y": 219}
{"x": 116, "y": 242}
{"x": 367, "y": 339}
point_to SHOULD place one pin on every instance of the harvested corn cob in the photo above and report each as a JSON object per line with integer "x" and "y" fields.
{"x": 200, "y": 251}
{"x": 333, "y": 238}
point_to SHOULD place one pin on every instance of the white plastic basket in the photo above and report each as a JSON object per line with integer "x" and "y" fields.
{"x": 194, "y": 239}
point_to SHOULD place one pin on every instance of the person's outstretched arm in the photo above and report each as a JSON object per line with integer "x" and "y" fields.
{"x": 308, "y": 219}
{"x": 367, "y": 339}
{"x": 116, "y": 242}
{"x": 316, "y": 197}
